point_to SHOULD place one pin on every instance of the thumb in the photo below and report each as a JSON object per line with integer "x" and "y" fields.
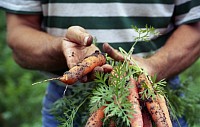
{"x": 79, "y": 35}
{"x": 115, "y": 54}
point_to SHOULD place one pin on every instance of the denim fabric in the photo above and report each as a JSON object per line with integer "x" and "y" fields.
{"x": 55, "y": 92}
{"x": 182, "y": 122}
{"x": 175, "y": 83}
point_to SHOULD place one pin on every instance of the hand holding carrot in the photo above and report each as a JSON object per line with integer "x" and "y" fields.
{"x": 146, "y": 64}
{"x": 157, "y": 108}
{"x": 83, "y": 68}
{"x": 76, "y": 47}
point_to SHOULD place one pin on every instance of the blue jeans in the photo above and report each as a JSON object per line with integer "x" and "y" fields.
{"x": 55, "y": 92}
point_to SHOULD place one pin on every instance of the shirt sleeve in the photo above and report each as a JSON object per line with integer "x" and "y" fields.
{"x": 186, "y": 11}
{"x": 21, "y": 6}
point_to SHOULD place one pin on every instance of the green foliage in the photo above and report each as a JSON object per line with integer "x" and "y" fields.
{"x": 74, "y": 108}
{"x": 113, "y": 93}
{"x": 112, "y": 90}
{"x": 20, "y": 103}
{"x": 157, "y": 88}
{"x": 101, "y": 92}
{"x": 145, "y": 34}
{"x": 186, "y": 99}
{"x": 68, "y": 110}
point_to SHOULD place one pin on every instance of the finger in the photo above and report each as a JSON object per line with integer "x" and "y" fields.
{"x": 115, "y": 54}
{"x": 107, "y": 68}
{"x": 79, "y": 36}
{"x": 84, "y": 79}
{"x": 91, "y": 75}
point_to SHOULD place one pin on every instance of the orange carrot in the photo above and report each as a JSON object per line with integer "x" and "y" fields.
{"x": 159, "y": 113}
{"x": 162, "y": 103}
{"x": 95, "y": 119}
{"x": 83, "y": 68}
{"x": 133, "y": 97}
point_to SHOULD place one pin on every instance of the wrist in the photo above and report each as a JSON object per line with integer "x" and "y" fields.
{"x": 157, "y": 67}
{"x": 152, "y": 68}
{"x": 148, "y": 65}
{"x": 55, "y": 53}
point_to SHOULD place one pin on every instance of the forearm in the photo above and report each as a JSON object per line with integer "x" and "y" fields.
{"x": 180, "y": 51}
{"x": 34, "y": 49}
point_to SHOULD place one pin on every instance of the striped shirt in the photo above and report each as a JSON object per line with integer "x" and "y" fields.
{"x": 111, "y": 20}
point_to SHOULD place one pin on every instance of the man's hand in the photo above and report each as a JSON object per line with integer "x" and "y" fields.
{"x": 77, "y": 45}
{"x": 181, "y": 50}
{"x": 35, "y": 49}
{"x": 141, "y": 62}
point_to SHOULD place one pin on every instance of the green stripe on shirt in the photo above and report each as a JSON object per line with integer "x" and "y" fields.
{"x": 184, "y": 8}
{"x": 112, "y": 19}
{"x": 106, "y": 22}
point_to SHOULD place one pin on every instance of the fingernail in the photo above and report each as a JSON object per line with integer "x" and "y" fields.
{"x": 87, "y": 40}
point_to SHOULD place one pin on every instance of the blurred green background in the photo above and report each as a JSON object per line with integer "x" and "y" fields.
{"x": 20, "y": 102}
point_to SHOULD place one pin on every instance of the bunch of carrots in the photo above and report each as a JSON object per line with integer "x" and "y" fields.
{"x": 154, "y": 108}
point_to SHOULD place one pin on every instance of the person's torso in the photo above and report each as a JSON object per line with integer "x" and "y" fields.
{"x": 111, "y": 20}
